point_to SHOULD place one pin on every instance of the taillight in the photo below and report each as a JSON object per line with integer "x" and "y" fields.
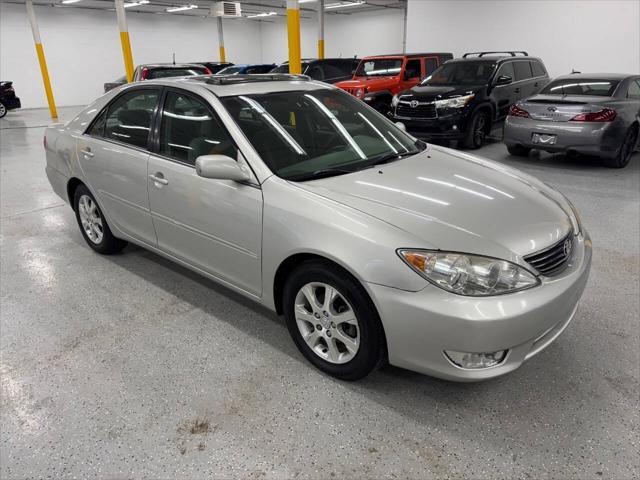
{"x": 207, "y": 71}
{"x": 604, "y": 115}
{"x": 144, "y": 73}
{"x": 516, "y": 111}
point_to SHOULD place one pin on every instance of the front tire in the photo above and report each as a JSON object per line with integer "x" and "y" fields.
{"x": 3, "y": 110}
{"x": 93, "y": 225}
{"x": 623, "y": 156}
{"x": 332, "y": 321}
{"x": 476, "y": 131}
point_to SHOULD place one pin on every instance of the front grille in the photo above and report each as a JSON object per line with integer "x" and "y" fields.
{"x": 422, "y": 110}
{"x": 553, "y": 259}
{"x": 352, "y": 91}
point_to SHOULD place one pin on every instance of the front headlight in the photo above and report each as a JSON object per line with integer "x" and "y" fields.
{"x": 359, "y": 92}
{"x": 456, "y": 102}
{"x": 395, "y": 100}
{"x": 470, "y": 275}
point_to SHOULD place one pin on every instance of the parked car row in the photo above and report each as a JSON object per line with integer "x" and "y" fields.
{"x": 8, "y": 99}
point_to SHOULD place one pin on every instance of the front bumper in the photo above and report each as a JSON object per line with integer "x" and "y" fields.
{"x": 448, "y": 125}
{"x": 420, "y": 326}
{"x": 588, "y": 138}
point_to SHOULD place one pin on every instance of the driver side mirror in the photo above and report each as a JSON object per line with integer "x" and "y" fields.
{"x": 221, "y": 167}
{"x": 504, "y": 80}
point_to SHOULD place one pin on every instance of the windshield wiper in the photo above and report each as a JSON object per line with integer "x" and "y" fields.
{"x": 387, "y": 158}
{"x": 322, "y": 173}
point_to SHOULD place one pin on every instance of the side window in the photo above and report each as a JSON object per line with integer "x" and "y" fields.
{"x": 506, "y": 69}
{"x": 129, "y": 117}
{"x": 412, "y": 70}
{"x": 634, "y": 90}
{"x": 537, "y": 69}
{"x": 97, "y": 129}
{"x": 523, "y": 70}
{"x": 430, "y": 64}
{"x": 189, "y": 129}
{"x": 316, "y": 73}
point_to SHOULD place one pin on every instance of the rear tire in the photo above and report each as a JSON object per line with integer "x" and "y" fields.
{"x": 3, "y": 110}
{"x": 341, "y": 336}
{"x": 518, "y": 150}
{"x": 623, "y": 156}
{"x": 93, "y": 225}
{"x": 476, "y": 130}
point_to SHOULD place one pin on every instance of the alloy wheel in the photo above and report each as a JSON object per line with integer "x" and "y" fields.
{"x": 627, "y": 146}
{"x": 3, "y": 110}
{"x": 478, "y": 133}
{"x": 327, "y": 322}
{"x": 91, "y": 219}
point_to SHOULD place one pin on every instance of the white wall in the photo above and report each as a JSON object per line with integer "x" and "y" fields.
{"x": 345, "y": 36}
{"x": 587, "y": 35}
{"x": 83, "y": 50}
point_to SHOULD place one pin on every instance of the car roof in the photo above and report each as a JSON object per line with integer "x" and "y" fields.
{"x": 603, "y": 76}
{"x": 492, "y": 58}
{"x": 232, "y": 85}
{"x": 171, "y": 65}
{"x": 410, "y": 55}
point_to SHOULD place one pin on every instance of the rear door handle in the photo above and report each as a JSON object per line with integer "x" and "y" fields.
{"x": 87, "y": 152}
{"x": 159, "y": 178}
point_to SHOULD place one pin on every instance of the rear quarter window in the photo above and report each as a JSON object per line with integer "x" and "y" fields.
{"x": 537, "y": 69}
{"x": 522, "y": 69}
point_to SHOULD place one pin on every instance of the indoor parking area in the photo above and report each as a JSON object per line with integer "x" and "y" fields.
{"x": 320, "y": 239}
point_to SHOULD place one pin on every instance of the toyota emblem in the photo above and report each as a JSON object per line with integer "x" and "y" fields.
{"x": 414, "y": 103}
{"x": 567, "y": 247}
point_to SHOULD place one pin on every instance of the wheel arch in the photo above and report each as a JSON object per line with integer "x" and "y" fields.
{"x": 72, "y": 185}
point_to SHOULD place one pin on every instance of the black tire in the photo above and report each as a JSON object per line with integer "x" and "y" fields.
{"x": 518, "y": 150}
{"x": 107, "y": 244}
{"x": 476, "y": 130}
{"x": 3, "y": 110}
{"x": 371, "y": 352}
{"x": 623, "y": 156}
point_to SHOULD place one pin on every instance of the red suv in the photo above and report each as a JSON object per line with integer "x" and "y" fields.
{"x": 377, "y": 79}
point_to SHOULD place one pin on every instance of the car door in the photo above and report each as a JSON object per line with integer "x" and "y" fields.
{"x": 411, "y": 75}
{"x": 214, "y": 225}
{"x": 540, "y": 77}
{"x": 113, "y": 155}
{"x": 524, "y": 79}
{"x": 504, "y": 95}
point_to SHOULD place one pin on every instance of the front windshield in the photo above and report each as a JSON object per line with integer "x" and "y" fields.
{"x": 303, "y": 135}
{"x": 461, "y": 73}
{"x": 284, "y": 68}
{"x": 229, "y": 70}
{"x": 379, "y": 67}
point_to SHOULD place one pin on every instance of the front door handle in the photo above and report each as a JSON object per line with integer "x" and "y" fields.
{"x": 158, "y": 178}
{"x": 87, "y": 152}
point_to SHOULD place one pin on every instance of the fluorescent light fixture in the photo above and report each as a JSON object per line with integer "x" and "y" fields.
{"x": 342, "y": 5}
{"x": 263, "y": 14}
{"x": 136, "y": 3}
{"x": 70, "y": 1}
{"x": 181, "y": 9}
{"x": 306, "y": 1}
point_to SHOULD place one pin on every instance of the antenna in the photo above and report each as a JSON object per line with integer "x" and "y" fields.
{"x": 174, "y": 58}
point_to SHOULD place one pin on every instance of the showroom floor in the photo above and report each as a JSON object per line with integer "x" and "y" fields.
{"x": 130, "y": 366}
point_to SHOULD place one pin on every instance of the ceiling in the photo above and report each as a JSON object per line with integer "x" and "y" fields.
{"x": 249, "y": 7}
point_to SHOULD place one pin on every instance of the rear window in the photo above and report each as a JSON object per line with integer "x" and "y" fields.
{"x": 175, "y": 72}
{"x": 581, "y": 86}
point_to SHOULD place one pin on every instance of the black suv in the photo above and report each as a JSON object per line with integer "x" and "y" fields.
{"x": 328, "y": 70}
{"x": 463, "y": 98}
{"x": 8, "y": 99}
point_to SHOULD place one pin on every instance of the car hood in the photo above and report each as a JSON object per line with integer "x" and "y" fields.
{"x": 372, "y": 83}
{"x": 449, "y": 200}
{"x": 439, "y": 92}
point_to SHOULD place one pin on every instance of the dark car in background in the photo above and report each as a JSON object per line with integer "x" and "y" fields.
{"x": 328, "y": 70}
{"x": 8, "y": 99}
{"x": 160, "y": 70}
{"x": 214, "y": 67}
{"x": 247, "y": 69}
{"x": 464, "y": 97}
{"x": 588, "y": 114}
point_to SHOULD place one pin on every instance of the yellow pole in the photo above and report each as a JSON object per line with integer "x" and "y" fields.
{"x": 41, "y": 59}
{"x": 221, "y": 41}
{"x": 321, "y": 29}
{"x": 293, "y": 29}
{"x": 124, "y": 39}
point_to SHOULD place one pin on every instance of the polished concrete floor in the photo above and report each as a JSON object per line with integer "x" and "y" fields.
{"x": 130, "y": 366}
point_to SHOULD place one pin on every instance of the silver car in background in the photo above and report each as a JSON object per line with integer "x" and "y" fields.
{"x": 589, "y": 114}
{"x": 374, "y": 245}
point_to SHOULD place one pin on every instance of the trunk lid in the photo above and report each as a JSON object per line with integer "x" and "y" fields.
{"x": 558, "y": 108}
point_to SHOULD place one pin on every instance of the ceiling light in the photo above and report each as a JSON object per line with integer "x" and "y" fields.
{"x": 342, "y": 5}
{"x": 306, "y": 1}
{"x": 136, "y": 3}
{"x": 263, "y": 14}
{"x": 70, "y": 1}
{"x": 181, "y": 9}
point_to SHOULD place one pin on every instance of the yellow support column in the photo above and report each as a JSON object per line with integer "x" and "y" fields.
{"x": 124, "y": 39}
{"x": 223, "y": 57}
{"x": 293, "y": 29}
{"x": 321, "y": 29}
{"x": 41, "y": 59}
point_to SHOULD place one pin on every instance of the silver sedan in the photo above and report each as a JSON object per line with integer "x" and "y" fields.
{"x": 596, "y": 114}
{"x": 374, "y": 245}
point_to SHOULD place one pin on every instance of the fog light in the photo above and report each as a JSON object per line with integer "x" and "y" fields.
{"x": 455, "y": 127}
{"x": 476, "y": 360}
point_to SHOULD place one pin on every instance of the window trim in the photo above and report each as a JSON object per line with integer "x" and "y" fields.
{"x": 528, "y": 59}
{"x": 137, "y": 88}
{"x": 157, "y": 123}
